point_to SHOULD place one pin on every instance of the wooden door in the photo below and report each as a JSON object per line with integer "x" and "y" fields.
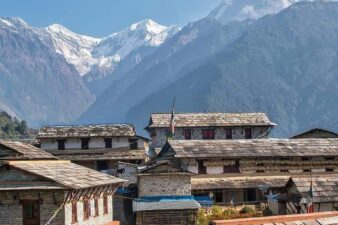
{"x": 31, "y": 212}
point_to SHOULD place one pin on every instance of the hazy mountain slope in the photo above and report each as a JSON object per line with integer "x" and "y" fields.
{"x": 284, "y": 65}
{"x": 36, "y": 83}
{"x": 186, "y": 50}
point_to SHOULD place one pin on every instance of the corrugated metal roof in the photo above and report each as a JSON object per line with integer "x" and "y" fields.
{"x": 210, "y": 119}
{"x": 164, "y": 204}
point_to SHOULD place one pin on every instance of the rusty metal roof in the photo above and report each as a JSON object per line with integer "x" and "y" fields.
{"x": 210, "y": 119}
{"x": 251, "y": 148}
{"x": 20, "y": 151}
{"x": 65, "y": 173}
{"x": 105, "y": 130}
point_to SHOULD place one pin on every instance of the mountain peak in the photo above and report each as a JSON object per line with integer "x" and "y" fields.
{"x": 149, "y": 25}
{"x": 13, "y": 22}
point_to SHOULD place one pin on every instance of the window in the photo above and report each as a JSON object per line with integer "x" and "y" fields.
{"x": 248, "y": 133}
{"x": 251, "y": 195}
{"x": 284, "y": 170}
{"x": 133, "y": 144}
{"x": 201, "y": 168}
{"x": 86, "y": 209}
{"x": 108, "y": 143}
{"x": 306, "y": 170}
{"x": 96, "y": 206}
{"x": 208, "y": 134}
{"x": 84, "y": 143}
{"x": 329, "y": 170}
{"x": 231, "y": 169}
{"x": 61, "y": 144}
{"x": 105, "y": 204}
{"x": 102, "y": 165}
{"x": 228, "y": 133}
{"x": 74, "y": 212}
{"x": 187, "y": 134}
{"x": 218, "y": 196}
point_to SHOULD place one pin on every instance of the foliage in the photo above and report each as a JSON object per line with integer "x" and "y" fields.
{"x": 267, "y": 212}
{"x": 201, "y": 217}
{"x": 12, "y": 128}
{"x": 246, "y": 210}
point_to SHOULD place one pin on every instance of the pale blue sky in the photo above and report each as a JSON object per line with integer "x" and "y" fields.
{"x": 102, "y": 17}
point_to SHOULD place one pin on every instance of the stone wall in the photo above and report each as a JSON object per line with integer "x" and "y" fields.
{"x": 160, "y": 139}
{"x": 102, "y": 219}
{"x": 164, "y": 185}
{"x": 11, "y": 208}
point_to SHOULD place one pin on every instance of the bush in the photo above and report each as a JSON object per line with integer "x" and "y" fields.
{"x": 267, "y": 212}
{"x": 216, "y": 211}
{"x": 247, "y": 210}
{"x": 201, "y": 218}
{"x": 230, "y": 213}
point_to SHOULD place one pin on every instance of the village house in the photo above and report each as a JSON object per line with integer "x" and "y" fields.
{"x": 208, "y": 126}
{"x": 243, "y": 171}
{"x": 164, "y": 195}
{"x": 316, "y": 133}
{"x": 99, "y": 147}
{"x": 36, "y": 188}
{"x": 321, "y": 191}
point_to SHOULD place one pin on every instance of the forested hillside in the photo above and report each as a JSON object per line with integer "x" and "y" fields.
{"x": 12, "y": 128}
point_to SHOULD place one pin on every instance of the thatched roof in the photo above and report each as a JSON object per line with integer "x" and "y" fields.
{"x": 250, "y": 148}
{"x": 210, "y": 119}
{"x": 15, "y": 150}
{"x": 106, "y": 130}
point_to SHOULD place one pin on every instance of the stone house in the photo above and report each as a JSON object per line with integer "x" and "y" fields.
{"x": 206, "y": 126}
{"x": 99, "y": 147}
{"x": 36, "y": 188}
{"x": 317, "y": 133}
{"x": 164, "y": 195}
{"x": 296, "y": 194}
{"x": 243, "y": 171}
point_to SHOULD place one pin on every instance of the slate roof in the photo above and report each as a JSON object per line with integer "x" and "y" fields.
{"x": 224, "y": 181}
{"x": 210, "y": 119}
{"x": 164, "y": 203}
{"x": 105, "y": 130}
{"x": 325, "y": 187}
{"x": 316, "y": 132}
{"x": 18, "y": 150}
{"x": 65, "y": 173}
{"x": 100, "y": 154}
{"x": 250, "y": 148}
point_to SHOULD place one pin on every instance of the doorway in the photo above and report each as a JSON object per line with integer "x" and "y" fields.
{"x": 31, "y": 212}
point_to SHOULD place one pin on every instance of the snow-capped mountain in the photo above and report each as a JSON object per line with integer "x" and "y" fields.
{"x": 103, "y": 54}
{"x": 239, "y": 10}
{"x": 36, "y": 83}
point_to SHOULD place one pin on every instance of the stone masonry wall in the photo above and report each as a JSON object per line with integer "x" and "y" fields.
{"x": 11, "y": 208}
{"x": 237, "y": 133}
{"x": 164, "y": 185}
{"x": 93, "y": 220}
